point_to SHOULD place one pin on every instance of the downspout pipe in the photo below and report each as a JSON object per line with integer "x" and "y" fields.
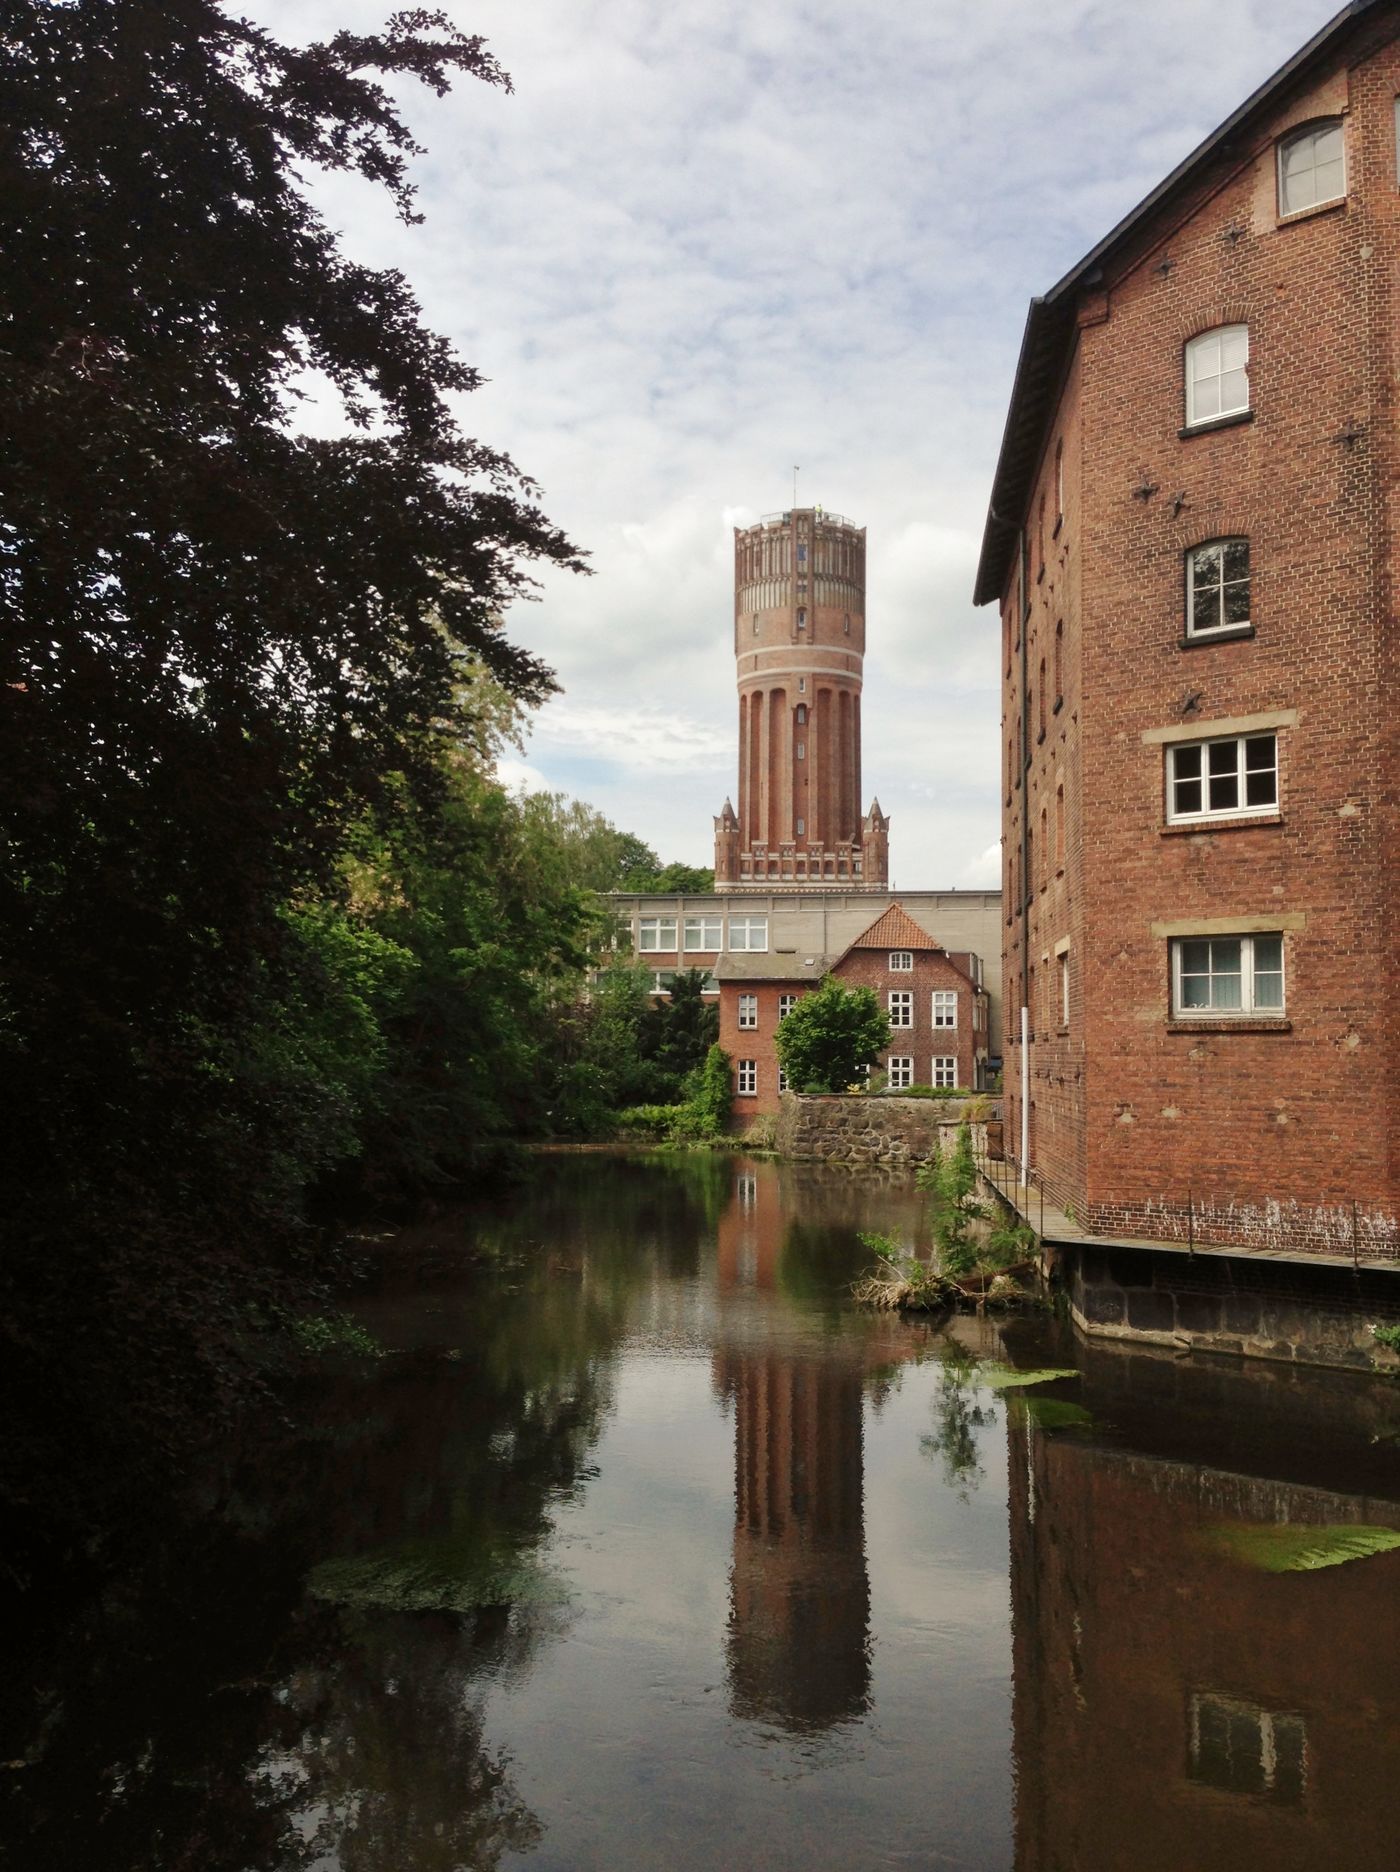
{"x": 1023, "y": 762}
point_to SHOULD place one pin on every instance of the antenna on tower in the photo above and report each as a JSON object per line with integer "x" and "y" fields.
{"x": 796, "y": 471}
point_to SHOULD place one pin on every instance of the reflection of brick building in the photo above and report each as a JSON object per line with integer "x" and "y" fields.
{"x": 799, "y": 653}
{"x": 1173, "y": 1708}
{"x": 1192, "y": 537}
{"x": 937, "y": 1006}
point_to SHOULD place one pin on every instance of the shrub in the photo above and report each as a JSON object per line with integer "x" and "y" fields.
{"x": 653, "y": 1121}
{"x": 951, "y": 1179}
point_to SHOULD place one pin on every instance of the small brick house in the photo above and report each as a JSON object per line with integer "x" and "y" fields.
{"x": 935, "y": 999}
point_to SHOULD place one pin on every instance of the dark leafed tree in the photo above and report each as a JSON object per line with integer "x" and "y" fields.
{"x": 221, "y": 637}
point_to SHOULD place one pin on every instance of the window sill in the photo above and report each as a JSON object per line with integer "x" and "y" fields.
{"x": 1225, "y": 1023}
{"x": 1213, "y": 423}
{"x": 1308, "y": 214}
{"x": 1237, "y": 633}
{"x": 1231, "y": 822}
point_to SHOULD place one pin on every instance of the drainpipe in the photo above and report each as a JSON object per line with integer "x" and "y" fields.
{"x": 1024, "y": 558}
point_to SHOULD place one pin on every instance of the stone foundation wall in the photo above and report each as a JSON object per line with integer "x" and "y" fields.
{"x": 1305, "y": 1313}
{"x": 874, "y": 1130}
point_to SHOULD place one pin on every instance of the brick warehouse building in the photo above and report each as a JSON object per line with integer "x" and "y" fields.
{"x": 937, "y": 1004}
{"x": 1193, "y": 541}
{"x": 799, "y": 657}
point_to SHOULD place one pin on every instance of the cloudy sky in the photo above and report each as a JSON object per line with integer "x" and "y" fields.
{"x": 705, "y": 241}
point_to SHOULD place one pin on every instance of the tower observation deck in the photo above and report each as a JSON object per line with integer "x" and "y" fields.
{"x": 799, "y": 653}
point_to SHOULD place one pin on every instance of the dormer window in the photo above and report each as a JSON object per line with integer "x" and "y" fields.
{"x": 1311, "y": 167}
{"x": 1217, "y": 374}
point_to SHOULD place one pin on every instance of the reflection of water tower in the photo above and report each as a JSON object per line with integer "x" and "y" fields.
{"x": 799, "y": 1597}
{"x": 799, "y": 1648}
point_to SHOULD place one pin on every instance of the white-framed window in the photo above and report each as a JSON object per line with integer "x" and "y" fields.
{"x": 802, "y": 750}
{"x": 656, "y": 933}
{"x": 945, "y": 1070}
{"x": 945, "y": 1007}
{"x": 661, "y": 980}
{"x": 704, "y": 932}
{"x": 801, "y": 827}
{"x": 782, "y": 1080}
{"x": 1311, "y": 167}
{"x": 901, "y": 961}
{"x": 802, "y": 685}
{"x": 746, "y": 1078}
{"x": 1217, "y": 374}
{"x": 708, "y": 984}
{"x": 1064, "y": 989}
{"x": 1217, "y": 587}
{"x": 1224, "y": 779}
{"x": 802, "y": 714}
{"x": 1227, "y": 975}
{"x": 901, "y": 1007}
{"x": 899, "y": 1070}
{"x": 748, "y": 1010}
{"x": 1245, "y": 1749}
{"x": 748, "y": 932}
{"x": 786, "y": 1003}
{"x": 801, "y": 618}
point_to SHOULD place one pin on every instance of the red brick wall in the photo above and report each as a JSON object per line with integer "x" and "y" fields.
{"x": 1279, "y": 1131}
{"x": 869, "y": 968}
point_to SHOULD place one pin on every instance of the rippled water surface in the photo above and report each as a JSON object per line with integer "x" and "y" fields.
{"x": 641, "y": 1547}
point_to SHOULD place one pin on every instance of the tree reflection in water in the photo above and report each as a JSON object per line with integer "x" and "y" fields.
{"x": 958, "y": 1417}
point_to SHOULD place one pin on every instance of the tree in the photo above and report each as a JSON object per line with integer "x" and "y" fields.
{"x": 224, "y": 641}
{"x": 682, "y": 879}
{"x": 683, "y": 1026}
{"x": 830, "y": 1035}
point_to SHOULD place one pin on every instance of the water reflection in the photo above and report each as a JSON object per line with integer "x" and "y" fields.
{"x": 1175, "y": 1705}
{"x": 644, "y": 1549}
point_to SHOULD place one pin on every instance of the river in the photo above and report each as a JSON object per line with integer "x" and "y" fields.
{"x": 640, "y": 1547}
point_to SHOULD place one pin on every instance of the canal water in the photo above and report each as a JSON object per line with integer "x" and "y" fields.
{"x": 640, "y": 1547}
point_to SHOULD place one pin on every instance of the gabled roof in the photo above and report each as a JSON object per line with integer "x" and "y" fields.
{"x": 1048, "y": 341}
{"x": 896, "y": 929}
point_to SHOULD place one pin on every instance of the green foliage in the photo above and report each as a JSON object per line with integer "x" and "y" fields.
{"x": 1007, "y": 1378}
{"x": 826, "y": 1039}
{"x": 1008, "y": 1243}
{"x": 951, "y": 1178}
{"x": 658, "y": 879}
{"x": 650, "y": 1121}
{"x": 922, "y": 1092}
{"x": 322, "y": 1333}
{"x": 454, "y": 1573}
{"x": 958, "y": 1416}
{"x": 234, "y": 649}
{"x": 1056, "y": 1414}
{"x": 1291, "y": 1547}
{"x": 712, "y": 1096}
{"x": 1388, "y": 1336}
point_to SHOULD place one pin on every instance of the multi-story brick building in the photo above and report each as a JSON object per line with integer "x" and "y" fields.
{"x": 1193, "y": 540}
{"x": 799, "y": 656}
{"x": 936, "y": 1001}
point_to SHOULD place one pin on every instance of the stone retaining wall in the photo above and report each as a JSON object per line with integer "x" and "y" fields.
{"x": 877, "y": 1130}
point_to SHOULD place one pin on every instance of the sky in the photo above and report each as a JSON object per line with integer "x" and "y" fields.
{"x": 702, "y": 243}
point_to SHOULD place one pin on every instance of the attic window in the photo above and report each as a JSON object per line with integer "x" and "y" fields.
{"x": 901, "y": 961}
{"x": 1311, "y": 167}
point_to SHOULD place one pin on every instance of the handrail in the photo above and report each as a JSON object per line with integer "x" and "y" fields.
{"x": 820, "y": 514}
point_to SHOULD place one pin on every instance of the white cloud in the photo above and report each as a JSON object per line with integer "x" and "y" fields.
{"x": 701, "y": 243}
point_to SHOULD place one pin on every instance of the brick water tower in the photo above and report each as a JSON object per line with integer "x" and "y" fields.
{"x": 799, "y": 652}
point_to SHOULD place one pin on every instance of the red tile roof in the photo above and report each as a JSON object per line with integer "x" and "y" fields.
{"x": 896, "y": 929}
